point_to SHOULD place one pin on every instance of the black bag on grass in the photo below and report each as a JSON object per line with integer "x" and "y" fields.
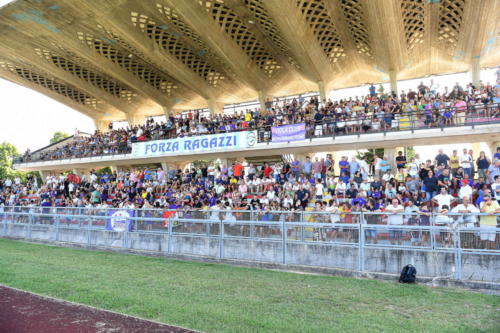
{"x": 408, "y": 274}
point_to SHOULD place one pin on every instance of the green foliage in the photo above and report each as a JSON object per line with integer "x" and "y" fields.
{"x": 221, "y": 298}
{"x": 369, "y": 154}
{"x": 200, "y": 164}
{"x": 58, "y": 136}
{"x": 8, "y": 152}
{"x": 409, "y": 153}
{"x": 106, "y": 170}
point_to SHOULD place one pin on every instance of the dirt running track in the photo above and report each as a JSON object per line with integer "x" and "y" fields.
{"x": 22, "y": 312}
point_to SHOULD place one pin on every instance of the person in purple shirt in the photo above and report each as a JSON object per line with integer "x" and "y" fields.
{"x": 497, "y": 154}
{"x": 344, "y": 165}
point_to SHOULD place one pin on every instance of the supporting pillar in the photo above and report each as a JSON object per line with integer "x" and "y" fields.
{"x": 167, "y": 111}
{"x": 263, "y": 98}
{"x": 394, "y": 81}
{"x": 43, "y": 175}
{"x": 113, "y": 168}
{"x": 135, "y": 119}
{"x": 101, "y": 125}
{"x": 493, "y": 147}
{"x": 391, "y": 154}
{"x": 164, "y": 166}
{"x": 322, "y": 91}
{"x": 475, "y": 70}
{"x": 215, "y": 107}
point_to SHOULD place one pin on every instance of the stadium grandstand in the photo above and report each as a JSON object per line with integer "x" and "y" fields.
{"x": 220, "y": 135}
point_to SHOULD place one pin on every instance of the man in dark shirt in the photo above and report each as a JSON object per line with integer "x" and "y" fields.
{"x": 444, "y": 178}
{"x": 442, "y": 158}
{"x": 400, "y": 160}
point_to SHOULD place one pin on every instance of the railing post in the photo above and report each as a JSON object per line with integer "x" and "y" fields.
{"x": 432, "y": 232}
{"x": 284, "y": 232}
{"x": 221, "y": 240}
{"x": 302, "y": 226}
{"x": 30, "y": 223}
{"x": 252, "y": 224}
{"x": 458, "y": 254}
{"x": 170, "y": 246}
{"x": 58, "y": 221}
{"x": 361, "y": 245}
{"x": 89, "y": 231}
{"x": 4, "y": 224}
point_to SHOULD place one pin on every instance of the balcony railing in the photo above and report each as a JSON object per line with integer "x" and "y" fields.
{"x": 364, "y": 124}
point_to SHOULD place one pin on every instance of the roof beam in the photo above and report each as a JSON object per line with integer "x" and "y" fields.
{"x": 21, "y": 50}
{"x": 67, "y": 33}
{"x": 303, "y": 44}
{"x": 10, "y": 76}
{"x": 478, "y": 26}
{"x": 116, "y": 17}
{"x": 214, "y": 36}
{"x": 356, "y": 61}
{"x": 385, "y": 22}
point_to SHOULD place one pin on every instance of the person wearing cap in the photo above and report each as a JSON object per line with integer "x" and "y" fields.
{"x": 488, "y": 223}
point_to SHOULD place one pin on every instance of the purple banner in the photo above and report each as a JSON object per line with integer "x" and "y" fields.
{"x": 287, "y": 133}
{"x": 119, "y": 220}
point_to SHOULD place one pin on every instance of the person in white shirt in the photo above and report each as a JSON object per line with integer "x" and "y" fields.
{"x": 465, "y": 191}
{"x": 495, "y": 188}
{"x": 395, "y": 218}
{"x": 215, "y": 209}
{"x": 466, "y": 162}
{"x": 466, "y": 209}
{"x": 363, "y": 167}
{"x": 413, "y": 168}
{"x": 443, "y": 198}
{"x": 319, "y": 189}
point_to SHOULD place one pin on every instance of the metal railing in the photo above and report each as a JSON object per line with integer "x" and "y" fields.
{"x": 471, "y": 115}
{"x": 362, "y": 232}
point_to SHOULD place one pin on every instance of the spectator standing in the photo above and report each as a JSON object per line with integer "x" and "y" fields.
{"x": 395, "y": 217}
{"x": 483, "y": 163}
{"x": 441, "y": 159}
{"x": 466, "y": 162}
{"x": 489, "y": 223}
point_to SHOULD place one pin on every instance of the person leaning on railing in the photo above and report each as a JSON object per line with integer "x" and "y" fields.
{"x": 488, "y": 223}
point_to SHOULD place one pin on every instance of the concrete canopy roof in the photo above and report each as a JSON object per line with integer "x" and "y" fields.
{"x": 121, "y": 59}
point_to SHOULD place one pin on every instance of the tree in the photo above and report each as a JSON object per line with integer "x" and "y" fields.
{"x": 8, "y": 152}
{"x": 58, "y": 136}
{"x": 369, "y": 155}
{"x": 409, "y": 153}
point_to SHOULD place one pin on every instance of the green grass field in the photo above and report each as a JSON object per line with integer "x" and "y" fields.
{"x": 222, "y": 298}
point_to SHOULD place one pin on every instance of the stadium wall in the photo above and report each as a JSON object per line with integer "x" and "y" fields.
{"x": 473, "y": 266}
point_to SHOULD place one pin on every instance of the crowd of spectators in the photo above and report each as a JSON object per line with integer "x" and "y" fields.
{"x": 450, "y": 183}
{"x": 423, "y": 107}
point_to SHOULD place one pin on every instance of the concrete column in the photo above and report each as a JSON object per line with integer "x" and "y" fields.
{"x": 167, "y": 111}
{"x": 43, "y": 175}
{"x": 322, "y": 91}
{"x": 475, "y": 70}
{"x": 101, "y": 125}
{"x": 262, "y": 100}
{"x": 263, "y": 97}
{"x": 391, "y": 154}
{"x": 113, "y": 168}
{"x": 135, "y": 119}
{"x": 394, "y": 81}
{"x": 215, "y": 107}
{"x": 493, "y": 147}
{"x": 164, "y": 166}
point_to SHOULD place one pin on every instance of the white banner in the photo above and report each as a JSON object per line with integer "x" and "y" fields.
{"x": 194, "y": 144}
